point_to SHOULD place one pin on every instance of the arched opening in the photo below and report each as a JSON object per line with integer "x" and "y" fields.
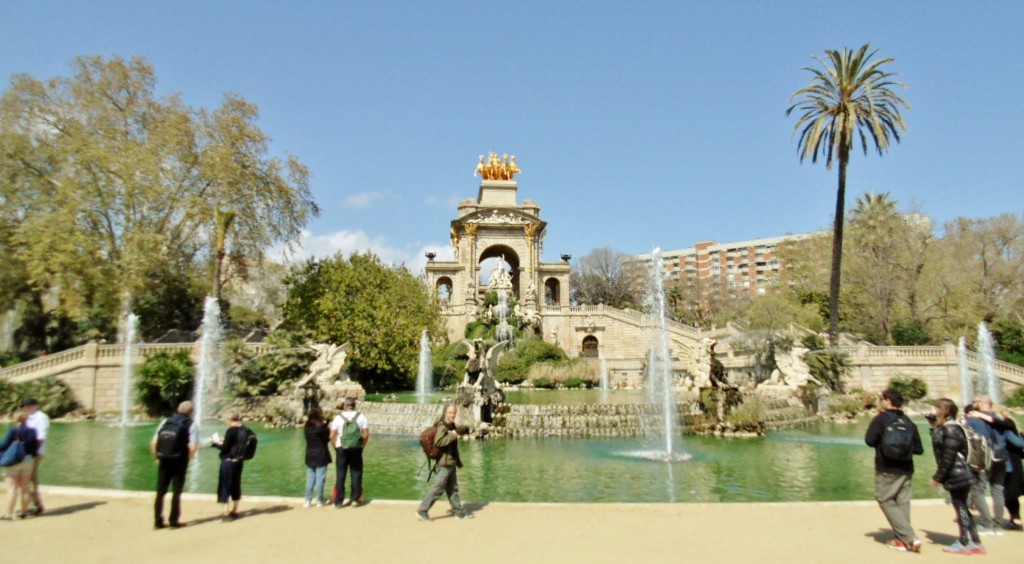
{"x": 443, "y": 290}
{"x": 590, "y": 347}
{"x": 494, "y": 257}
{"x": 552, "y": 289}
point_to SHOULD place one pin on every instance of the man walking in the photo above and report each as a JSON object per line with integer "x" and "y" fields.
{"x": 39, "y": 421}
{"x": 173, "y": 445}
{"x": 350, "y": 430}
{"x": 895, "y": 439}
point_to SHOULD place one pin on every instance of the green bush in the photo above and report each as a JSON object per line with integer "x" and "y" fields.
{"x": 54, "y": 396}
{"x": 910, "y": 334}
{"x": 165, "y": 380}
{"x": 1016, "y": 399}
{"x": 570, "y": 373}
{"x": 515, "y": 364}
{"x": 450, "y": 364}
{"x": 828, "y": 366}
{"x": 284, "y": 361}
{"x": 814, "y": 342}
{"x": 543, "y": 383}
{"x": 909, "y": 388}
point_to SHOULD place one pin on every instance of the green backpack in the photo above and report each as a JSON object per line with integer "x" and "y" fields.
{"x": 351, "y": 434}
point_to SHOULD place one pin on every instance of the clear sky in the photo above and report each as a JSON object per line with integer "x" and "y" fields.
{"x": 636, "y": 124}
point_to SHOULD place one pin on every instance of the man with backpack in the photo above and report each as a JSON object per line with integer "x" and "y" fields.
{"x": 233, "y": 455}
{"x": 175, "y": 443}
{"x": 980, "y": 418}
{"x": 896, "y": 440}
{"x": 350, "y": 430}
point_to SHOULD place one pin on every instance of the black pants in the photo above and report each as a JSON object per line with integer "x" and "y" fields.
{"x": 171, "y": 472}
{"x": 964, "y": 519}
{"x": 229, "y": 481}
{"x": 349, "y": 459}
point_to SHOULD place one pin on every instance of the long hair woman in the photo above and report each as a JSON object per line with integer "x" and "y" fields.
{"x": 318, "y": 456}
{"x": 949, "y": 442}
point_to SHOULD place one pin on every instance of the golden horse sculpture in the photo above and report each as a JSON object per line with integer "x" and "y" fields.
{"x": 497, "y": 168}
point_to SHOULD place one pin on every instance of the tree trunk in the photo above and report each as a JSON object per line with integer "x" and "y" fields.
{"x": 837, "y": 249}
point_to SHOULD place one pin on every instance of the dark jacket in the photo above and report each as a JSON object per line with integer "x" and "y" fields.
{"x": 950, "y": 446}
{"x": 873, "y": 438}
{"x": 25, "y": 434}
{"x": 445, "y": 440}
{"x": 230, "y": 445}
{"x": 317, "y": 439}
{"x": 993, "y": 432}
{"x": 1014, "y": 471}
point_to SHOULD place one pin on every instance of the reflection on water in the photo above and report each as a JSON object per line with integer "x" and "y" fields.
{"x": 821, "y": 463}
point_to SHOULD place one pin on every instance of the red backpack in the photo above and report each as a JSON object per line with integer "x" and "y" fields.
{"x": 427, "y": 442}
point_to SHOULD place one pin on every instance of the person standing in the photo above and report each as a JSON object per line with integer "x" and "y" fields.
{"x": 980, "y": 418}
{"x": 446, "y": 438}
{"x": 318, "y": 455}
{"x": 41, "y": 423}
{"x": 350, "y": 430}
{"x": 175, "y": 443}
{"x": 1014, "y": 484}
{"x": 893, "y": 487}
{"x": 949, "y": 443}
{"x": 16, "y": 476}
{"x": 229, "y": 480}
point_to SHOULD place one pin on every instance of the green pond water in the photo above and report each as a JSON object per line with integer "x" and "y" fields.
{"x": 826, "y": 462}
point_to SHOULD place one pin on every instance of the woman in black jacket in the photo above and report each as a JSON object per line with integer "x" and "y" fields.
{"x": 318, "y": 456}
{"x": 949, "y": 442}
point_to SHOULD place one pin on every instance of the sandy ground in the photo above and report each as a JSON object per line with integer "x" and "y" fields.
{"x": 111, "y": 526}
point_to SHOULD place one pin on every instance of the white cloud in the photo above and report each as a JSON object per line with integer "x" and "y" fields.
{"x": 349, "y": 242}
{"x": 362, "y": 200}
{"x": 450, "y": 201}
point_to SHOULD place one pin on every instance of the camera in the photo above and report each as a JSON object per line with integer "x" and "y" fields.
{"x": 930, "y": 417}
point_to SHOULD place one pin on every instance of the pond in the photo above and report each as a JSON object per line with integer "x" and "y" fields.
{"x": 825, "y": 462}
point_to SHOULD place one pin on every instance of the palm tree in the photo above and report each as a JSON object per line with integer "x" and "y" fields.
{"x": 849, "y": 97}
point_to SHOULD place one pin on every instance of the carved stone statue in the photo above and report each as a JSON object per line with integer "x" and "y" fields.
{"x": 700, "y": 364}
{"x": 479, "y": 388}
{"x": 330, "y": 359}
{"x": 791, "y": 370}
{"x": 500, "y": 278}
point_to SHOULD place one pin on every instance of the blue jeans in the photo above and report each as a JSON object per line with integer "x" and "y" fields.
{"x": 349, "y": 458}
{"x": 315, "y": 478}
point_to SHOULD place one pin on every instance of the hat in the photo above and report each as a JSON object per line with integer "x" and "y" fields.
{"x": 29, "y": 401}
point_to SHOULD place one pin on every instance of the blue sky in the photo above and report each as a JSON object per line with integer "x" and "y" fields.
{"x": 636, "y": 124}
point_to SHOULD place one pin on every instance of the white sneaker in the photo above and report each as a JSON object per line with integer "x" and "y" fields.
{"x": 306, "y": 504}
{"x": 319, "y": 504}
{"x": 990, "y": 533}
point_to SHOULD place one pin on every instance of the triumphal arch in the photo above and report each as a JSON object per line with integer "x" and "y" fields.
{"x": 494, "y": 225}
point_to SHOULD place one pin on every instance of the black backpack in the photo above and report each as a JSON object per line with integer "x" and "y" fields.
{"x": 172, "y": 438}
{"x": 898, "y": 439}
{"x": 245, "y": 448}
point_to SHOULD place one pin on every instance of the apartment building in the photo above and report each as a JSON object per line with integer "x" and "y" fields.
{"x": 749, "y": 266}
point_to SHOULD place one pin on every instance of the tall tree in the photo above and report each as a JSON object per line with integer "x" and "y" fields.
{"x": 380, "y": 311}
{"x": 600, "y": 278}
{"x": 109, "y": 181}
{"x": 850, "y": 97}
